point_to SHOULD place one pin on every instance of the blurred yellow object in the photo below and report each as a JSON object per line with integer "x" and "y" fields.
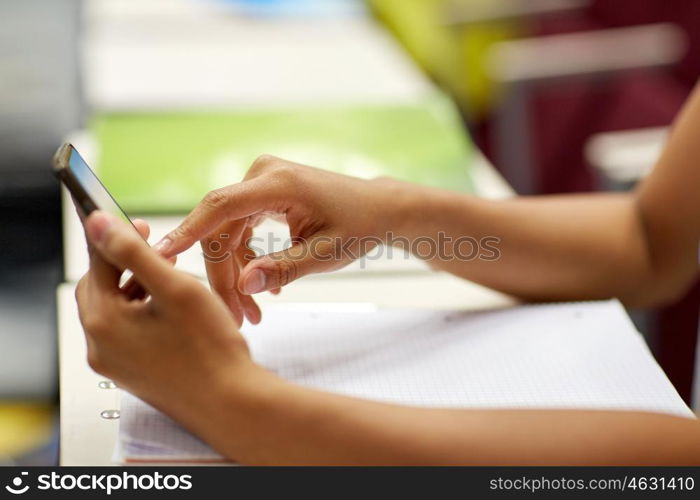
{"x": 24, "y": 427}
{"x": 454, "y": 55}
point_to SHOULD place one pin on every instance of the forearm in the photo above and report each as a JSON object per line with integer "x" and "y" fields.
{"x": 641, "y": 247}
{"x": 288, "y": 424}
{"x": 548, "y": 248}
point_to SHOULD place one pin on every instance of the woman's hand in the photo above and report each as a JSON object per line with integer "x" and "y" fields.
{"x": 333, "y": 219}
{"x": 174, "y": 349}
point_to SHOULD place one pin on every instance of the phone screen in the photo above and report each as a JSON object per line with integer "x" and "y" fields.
{"x": 84, "y": 175}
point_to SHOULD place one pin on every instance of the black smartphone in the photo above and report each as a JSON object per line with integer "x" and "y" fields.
{"x": 88, "y": 192}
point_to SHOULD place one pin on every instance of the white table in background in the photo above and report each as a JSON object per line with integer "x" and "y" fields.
{"x": 183, "y": 54}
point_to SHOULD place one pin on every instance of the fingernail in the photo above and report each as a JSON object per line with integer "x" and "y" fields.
{"x": 97, "y": 224}
{"x": 163, "y": 245}
{"x": 255, "y": 282}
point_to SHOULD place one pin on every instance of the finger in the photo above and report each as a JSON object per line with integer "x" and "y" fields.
{"x": 99, "y": 269}
{"x": 134, "y": 291}
{"x": 131, "y": 288}
{"x": 81, "y": 216}
{"x": 82, "y": 298}
{"x": 244, "y": 255}
{"x": 103, "y": 276}
{"x": 256, "y": 219}
{"x": 142, "y": 227}
{"x": 81, "y": 294}
{"x": 278, "y": 269}
{"x": 221, "y": 265}
{"x": 234, "y": 202}
{"x": 119, "y": 245}
{"x": 244, "y": 252}
{"x": 251, "y": 309}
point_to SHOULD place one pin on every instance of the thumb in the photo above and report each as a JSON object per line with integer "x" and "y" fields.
{"x": 120, "y": 245}
{"x": 275, "y": 270}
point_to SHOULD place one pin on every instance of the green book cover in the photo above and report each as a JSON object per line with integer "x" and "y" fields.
{"x": 166, "y": 162}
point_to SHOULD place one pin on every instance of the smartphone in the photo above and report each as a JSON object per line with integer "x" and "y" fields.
{"x": 88, "y": 192}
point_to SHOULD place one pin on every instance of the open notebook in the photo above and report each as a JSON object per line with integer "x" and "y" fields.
{"x": 581, "y": 355}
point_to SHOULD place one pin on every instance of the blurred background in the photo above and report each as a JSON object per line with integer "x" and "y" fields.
{"x": 171, "y": 98}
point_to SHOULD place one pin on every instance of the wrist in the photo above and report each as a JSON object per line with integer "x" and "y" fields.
{"x": 395, "y": 203}
{"x": 221, "y": 406}
{"x": 408, "y": 210}
{"x": 237, "y": 418}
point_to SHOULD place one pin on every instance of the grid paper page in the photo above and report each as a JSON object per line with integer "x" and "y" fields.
{"x": 147, "y": 435}
{"x": 580, "y": 355}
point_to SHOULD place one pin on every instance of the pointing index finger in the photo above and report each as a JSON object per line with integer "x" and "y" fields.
{"x": 233, "y": 202}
